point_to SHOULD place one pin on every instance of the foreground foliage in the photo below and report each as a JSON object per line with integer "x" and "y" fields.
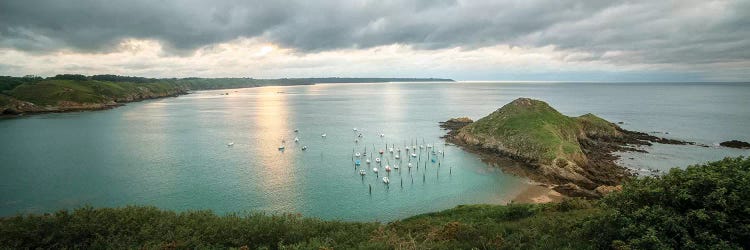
{"x": 705, "y": 207}
{"x": 701, "y": 207}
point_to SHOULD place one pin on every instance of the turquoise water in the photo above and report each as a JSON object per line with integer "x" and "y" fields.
{"x": 172, "y": 153}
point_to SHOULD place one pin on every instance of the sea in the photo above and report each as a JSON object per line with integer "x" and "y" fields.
{"x": 175, "y": 153}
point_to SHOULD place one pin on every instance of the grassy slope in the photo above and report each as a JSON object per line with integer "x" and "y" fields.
{"x": 4, "y": 100}
{"x": 535, "y": 130}
{"x": 482, "y": 226}
{"x": 50, "y": 92}
{"x": 80, "y": 89}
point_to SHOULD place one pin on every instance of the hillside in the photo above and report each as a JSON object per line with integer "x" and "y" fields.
{"x": 63, "y": 93}
{"x": 554, "y": 148}
{"x": 701, "y": 207}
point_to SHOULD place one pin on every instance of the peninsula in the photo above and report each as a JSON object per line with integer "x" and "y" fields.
{"x": 532, "y": 139}
{"x": 73, "y": 92}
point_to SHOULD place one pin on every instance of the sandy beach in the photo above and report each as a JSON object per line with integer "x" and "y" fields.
{"x": 538, "y": 193}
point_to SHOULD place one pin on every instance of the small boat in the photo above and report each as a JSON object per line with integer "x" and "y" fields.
{"x": 367, "y": 161}
{"x": 355, "y": 129}
{"x": 421, "y": 146}
{"x": 390, "y": 150}
{"x": 414, "y": 147}
{"x": 362, "y": 172}
{"x": 357, "y": 154}
{"x": 296, "y": 139}
{"x": 407, "y": 149}
{"x": 433, "y": 160}
{"x": 380, "y": 152}
{"x": 356, "y": 163}
{"x": 395, "y": 166}
{"x": 414, "y": 155}
{"x": 387, "y": 168}
{"x": 375, "y": 170}
{"x": 359, "y": 135}
{"x": 281, "y": 147}
{"x": 397, "y": 157}
{"x": 429, "y": 145}
{"x": 386, "y": 180}
{"x": 296, "y": 130}
{"x": 409, "y": 165}
{"x": 440, "y": 151}
{"x": 356, "y": 140}
{"x": 304, "y": 147}
{"x": 398, "y": 149}
{"x": 230, "y": 144}
{"x": 382, "y": 135}
{"x": 377, "y": 159}
{"x": 323, "y": 135}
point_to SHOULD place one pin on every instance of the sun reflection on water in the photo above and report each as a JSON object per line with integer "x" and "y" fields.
{"x": 278, "y": 176}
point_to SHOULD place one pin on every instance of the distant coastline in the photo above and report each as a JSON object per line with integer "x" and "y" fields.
{"x": 73, "y": 92}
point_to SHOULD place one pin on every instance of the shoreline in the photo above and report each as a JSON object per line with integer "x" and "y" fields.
{"x": 601, "y": 173}
{"x": 84, "y": 107}
{"x": 537, "y": 193}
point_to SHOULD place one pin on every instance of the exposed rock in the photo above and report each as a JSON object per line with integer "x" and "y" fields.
{"x": 604, "y": 190}
{"x": 735, "y": 144}
{"x": 551, "y": 147}
{"x": 454, "y": 124}
{"x": 573, "y": 190}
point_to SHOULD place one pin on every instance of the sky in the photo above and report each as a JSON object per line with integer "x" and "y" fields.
{"x": 524, "y": 40}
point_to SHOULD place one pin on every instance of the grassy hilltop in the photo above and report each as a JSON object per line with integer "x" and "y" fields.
{"x": 534, "y": 130}
{"x": 573, "y": 154}
{"x": 701, "y": 207}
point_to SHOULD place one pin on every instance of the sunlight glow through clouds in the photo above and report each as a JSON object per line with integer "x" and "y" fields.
{"x": 254, "y": 58}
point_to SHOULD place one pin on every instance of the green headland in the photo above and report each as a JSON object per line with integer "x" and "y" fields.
{"x": 72, "y": 92}
{"x": 573, "y": 154}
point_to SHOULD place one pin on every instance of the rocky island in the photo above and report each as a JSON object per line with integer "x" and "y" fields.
{"x": 573, "y": 154}
{"x": 735, "y": 144}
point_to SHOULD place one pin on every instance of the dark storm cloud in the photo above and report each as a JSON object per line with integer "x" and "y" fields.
{"x": 620, "y": 32}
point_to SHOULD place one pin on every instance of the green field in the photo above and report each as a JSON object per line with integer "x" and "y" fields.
{"x": 700, "y": 207}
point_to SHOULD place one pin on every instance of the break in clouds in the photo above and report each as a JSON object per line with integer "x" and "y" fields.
{"x": 708, "y": 39}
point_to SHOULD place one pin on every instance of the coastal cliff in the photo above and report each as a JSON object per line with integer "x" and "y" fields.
{"x": 70, "y": 95}
{"x": 573, "y": 153}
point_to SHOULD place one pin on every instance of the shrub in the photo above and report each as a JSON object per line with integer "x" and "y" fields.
{"x": 700, "y": 207}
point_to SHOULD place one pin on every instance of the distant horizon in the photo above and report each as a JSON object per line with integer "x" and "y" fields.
{"x": 411, "y": 77}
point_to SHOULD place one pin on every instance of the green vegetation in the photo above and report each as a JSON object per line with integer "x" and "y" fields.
{"x": 534, "y": 130}
{"x": 701, "y": 207}
{"x": 69, "y": 91}
{"x": 52, "y": 92}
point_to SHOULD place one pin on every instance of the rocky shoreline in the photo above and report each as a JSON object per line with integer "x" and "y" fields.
{"x": 735, "y": 144}
{"x": 593, "y": 177}
{"x": 16, "y": 108}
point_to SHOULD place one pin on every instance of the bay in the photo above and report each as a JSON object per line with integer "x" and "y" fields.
{"x": 172, "y": 153}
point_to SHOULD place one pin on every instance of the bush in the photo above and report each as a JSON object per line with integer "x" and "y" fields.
{"x": 73, "y": 77}
{"x": 700, "y": 207}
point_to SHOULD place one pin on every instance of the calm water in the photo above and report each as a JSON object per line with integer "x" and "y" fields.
{"x": 172, "y": 153}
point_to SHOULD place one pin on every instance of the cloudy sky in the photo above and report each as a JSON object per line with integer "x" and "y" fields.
{"x": 564, "y": 40}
